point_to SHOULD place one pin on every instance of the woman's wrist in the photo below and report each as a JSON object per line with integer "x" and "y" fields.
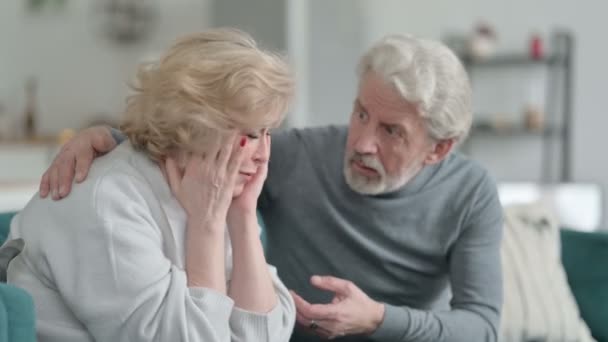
{"x": 206, "y": 224}
{"x": 243, "y": 221}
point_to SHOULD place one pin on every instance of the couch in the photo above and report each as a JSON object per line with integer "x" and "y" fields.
{"x": 584, "y": 257}
{"x": 17, "y": 315}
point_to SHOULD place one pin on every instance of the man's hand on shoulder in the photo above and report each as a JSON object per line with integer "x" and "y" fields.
{"x": 74, "y": 161}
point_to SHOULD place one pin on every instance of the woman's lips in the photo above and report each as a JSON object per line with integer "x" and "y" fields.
{"x": 246, "y": 175}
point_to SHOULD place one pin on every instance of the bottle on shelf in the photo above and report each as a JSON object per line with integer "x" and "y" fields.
{"x": 30, "y": 111}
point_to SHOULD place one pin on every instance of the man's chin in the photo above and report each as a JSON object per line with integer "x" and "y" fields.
{"x": 362, "y": 184}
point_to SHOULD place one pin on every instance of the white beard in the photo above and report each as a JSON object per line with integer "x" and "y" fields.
{"x": 380, "y": 184}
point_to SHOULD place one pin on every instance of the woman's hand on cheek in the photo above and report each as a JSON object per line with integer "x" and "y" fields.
{"x": 244, "y": 206}
{"x": 205, "y": 188}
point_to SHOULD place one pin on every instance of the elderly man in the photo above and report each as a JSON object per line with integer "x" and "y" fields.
{"x": 373, "y": 224}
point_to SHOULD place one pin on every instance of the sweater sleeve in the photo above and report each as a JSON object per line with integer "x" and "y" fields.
{"x": 110, "y": 268}
{"x": 274, "y": 326}
{"x": 118, "y": 136}
{"x": 476, "y": 282}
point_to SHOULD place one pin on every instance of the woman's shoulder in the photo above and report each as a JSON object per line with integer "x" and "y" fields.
{"x": 123, "y": 176}
{"x": 112, "y": 192}
{"x": 121, "y": 162}
{"x": 114, "y": 177}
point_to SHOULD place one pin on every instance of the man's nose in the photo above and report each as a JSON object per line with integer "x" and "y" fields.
{"x": 367, "y": 142}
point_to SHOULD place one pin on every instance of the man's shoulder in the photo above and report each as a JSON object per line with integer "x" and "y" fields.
{"x": 460, "y": 167}
{"x": 466, "y": 180}
{"x": 474, "y": 184}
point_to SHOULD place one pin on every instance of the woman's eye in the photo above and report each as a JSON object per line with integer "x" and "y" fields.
{"x": 253, "y": 136}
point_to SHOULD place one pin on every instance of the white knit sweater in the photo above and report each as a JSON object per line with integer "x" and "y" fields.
{"x": 107, "y": 264}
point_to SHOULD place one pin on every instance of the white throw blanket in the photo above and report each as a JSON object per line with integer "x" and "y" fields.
{"x": 538, "y": 303}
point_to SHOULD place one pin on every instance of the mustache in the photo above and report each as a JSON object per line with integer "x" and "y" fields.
{"x": 367, "y": 161}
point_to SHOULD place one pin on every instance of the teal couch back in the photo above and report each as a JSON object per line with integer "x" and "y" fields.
{"x": 584, "y": 256}
{"x": 5, "y": 223}
{"x": 17, "y": 317}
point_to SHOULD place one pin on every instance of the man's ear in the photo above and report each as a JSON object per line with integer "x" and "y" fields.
{"x": 440, "y": 150}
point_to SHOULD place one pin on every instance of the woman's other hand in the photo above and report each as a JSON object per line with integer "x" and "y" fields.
{"x": 244, "y": 205}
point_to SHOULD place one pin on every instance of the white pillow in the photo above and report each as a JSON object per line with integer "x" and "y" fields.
{"x": 538, "y": 303}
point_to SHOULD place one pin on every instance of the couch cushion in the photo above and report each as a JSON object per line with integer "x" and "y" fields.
{"x": 538, "y": 303}
{"x": 5, "y": 224}
{"x": 584, "y": 256}
{"x": 17, "y": 318}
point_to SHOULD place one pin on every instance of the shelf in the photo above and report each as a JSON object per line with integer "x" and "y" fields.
{"x": 34, "y": 141}
{"x": 555, "y": 136}
{"x": 511, "y": 60}
{"x": 486, "y": 130}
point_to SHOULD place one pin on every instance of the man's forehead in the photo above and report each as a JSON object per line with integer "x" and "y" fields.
{"x": 378, "y": 96}
{"x": 393, "y": 112}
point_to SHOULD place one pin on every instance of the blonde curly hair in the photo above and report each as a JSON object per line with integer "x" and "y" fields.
{"x": 206, "y": 84}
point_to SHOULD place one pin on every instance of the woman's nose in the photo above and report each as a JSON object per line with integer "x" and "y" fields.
{"x": 262, "y": 152}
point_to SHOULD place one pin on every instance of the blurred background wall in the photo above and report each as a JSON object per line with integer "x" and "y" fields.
{"x": 81, "y": 62}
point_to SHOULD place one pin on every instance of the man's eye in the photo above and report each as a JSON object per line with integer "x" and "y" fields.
{"x": 253, "y": 136}
{"x": 392, "y": 130}
{"x": 362, "y": 115}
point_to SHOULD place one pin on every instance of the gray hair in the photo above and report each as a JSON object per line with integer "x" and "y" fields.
{"x": 429, "y": 75}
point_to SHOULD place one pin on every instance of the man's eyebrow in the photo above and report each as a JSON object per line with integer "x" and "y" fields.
{"x": 359, "y": 104}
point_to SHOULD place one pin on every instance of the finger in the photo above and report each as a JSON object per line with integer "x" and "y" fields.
{"x": 173, "y": 174}
{"x": 303, "y": 320}
{"x": 45, "y": 184}
{"x": 226, "y": 148}
{"x": 333, "y": 284}
{"x": 54, "y": 182}
{"x": 305, "y": 324}
{"x": 267, "y": 146}
{"x": 314, "y": 311}
{"x": 213, "y": 149}
{"x": 323, "y": 311}
{"x": 262, "y": 172}
{"x": 236, "y": 159}
{"x": 301, "y": 304}
{"x": 66, "y": 175}
{"x": 83, "y": 164}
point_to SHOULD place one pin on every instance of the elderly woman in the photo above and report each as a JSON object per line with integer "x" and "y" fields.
{"x": 161, "y": 242}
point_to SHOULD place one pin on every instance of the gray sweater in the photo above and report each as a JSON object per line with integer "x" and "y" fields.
{"x": 405, "y": 249}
